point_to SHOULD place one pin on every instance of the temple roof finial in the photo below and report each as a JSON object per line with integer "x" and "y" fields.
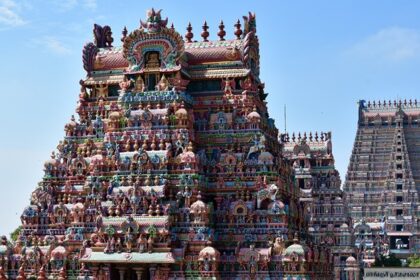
{"x": 189, "y": 35}
{"x": 205, "y": 34}
{"x": 222, "y": 31}
{"x": 124, "y": 33}
{"x": 238, "y": 30}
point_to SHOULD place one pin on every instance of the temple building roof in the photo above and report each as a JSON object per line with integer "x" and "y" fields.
{"x": 196, "y": 53}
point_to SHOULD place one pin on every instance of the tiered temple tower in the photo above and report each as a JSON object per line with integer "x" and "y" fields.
{"x": 321, "y": 198}
{"x": 172, "y": 169}
{"x": 383, "y": 180}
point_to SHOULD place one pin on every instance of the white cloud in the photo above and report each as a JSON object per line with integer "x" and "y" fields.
{"x": 9, "y": 14}
{"x": 54, "y": 45}
{"x": 394, "y": 44}
{"x": 66, "y": 5}
{"x": 90, "y": 4}
{"x": 8, "y": 3}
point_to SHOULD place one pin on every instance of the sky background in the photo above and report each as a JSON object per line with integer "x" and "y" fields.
{"x": 317, "y": 57}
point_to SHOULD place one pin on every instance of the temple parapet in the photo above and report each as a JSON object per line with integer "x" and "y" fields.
{"x": 386, "y": 113}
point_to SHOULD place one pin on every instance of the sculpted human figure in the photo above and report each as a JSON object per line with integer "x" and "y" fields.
{"x": 101, "y": 90}
{"x": 228, "y": 83}
{"x": 187, "y": 195}
{"x": 139, "y": 85}
{"x": 141, "y": 243}
{"x": 129, "y": 239}
{"x": 108, "y": 246}
{"x": 278, "y": 247}
{"x": 163, "y": 84}
{"x": 152, "y": 60}
{"x": 118, "y": 245}
{"x": 150, "y": 244}
{"x": 125, "y": 84}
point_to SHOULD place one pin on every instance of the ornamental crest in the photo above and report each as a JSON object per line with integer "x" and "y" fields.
{"x": 154, "y": 21}
{"x": 154, "y": 49}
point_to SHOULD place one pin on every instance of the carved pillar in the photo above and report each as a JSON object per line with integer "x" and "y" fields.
{"x": 121, "y": 271}
{"x": 218, "y": 200}
{"x": 139, "y": 275}
{"x": 351, "y": 275}
{"x": 139, "y": 272}
{"x": 152, "y": 271}
{"x": 165, "y": 271}
{"x": 107, "y": 273}
{"x": 94, "y": 270}
{"x": 356, "y": 274}
{"x": 336, "y": 272}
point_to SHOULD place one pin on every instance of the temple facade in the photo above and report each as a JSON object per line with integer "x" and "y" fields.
{"x": 325, "y": 213}
{"x": 383, "y": 180}
{"x": 172, "y": 169}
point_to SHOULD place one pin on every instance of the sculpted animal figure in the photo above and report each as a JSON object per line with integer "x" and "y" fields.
{"x": 250, "y": 24}
{"x": 103, "y": 36}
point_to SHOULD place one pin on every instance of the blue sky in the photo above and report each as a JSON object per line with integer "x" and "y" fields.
{"x": 317, "y": 57}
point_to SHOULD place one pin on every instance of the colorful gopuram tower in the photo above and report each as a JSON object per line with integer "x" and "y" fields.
{"x": 321, "y": 199}
{"x": 383, "y": 180}
{"x": 171, "y": 169}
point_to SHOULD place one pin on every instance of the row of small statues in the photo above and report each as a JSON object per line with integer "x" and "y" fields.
{"x": 142, "y": 244}
{"x": 140, "y": 86}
